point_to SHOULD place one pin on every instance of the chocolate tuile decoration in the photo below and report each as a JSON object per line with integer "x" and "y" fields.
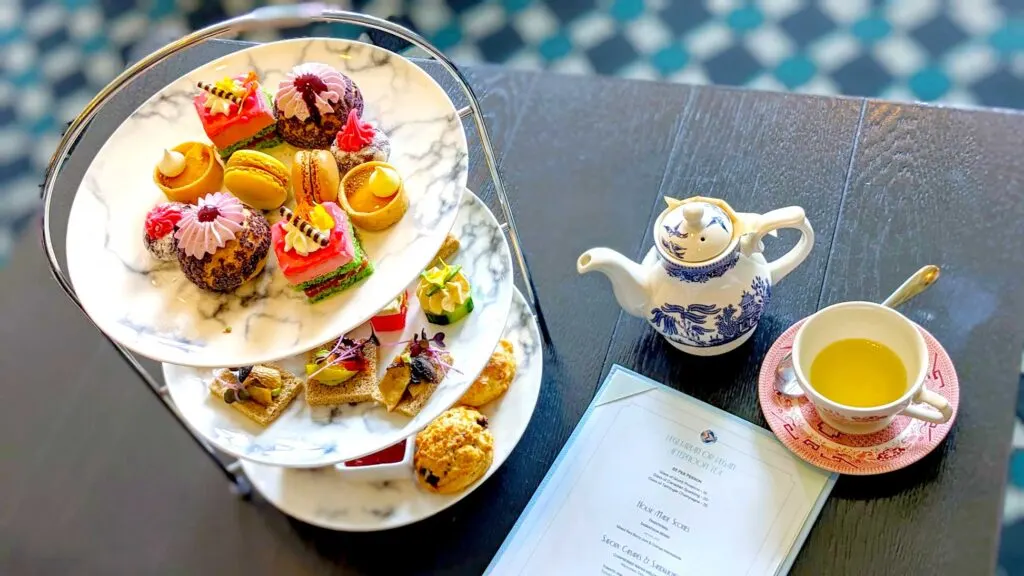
{"x": 211, "y": 89}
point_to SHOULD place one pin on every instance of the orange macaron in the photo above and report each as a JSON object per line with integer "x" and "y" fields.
{"x": 315, "y": 177}
{"x": 257, "y": 179}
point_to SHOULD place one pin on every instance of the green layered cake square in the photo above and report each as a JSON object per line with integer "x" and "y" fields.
{"x": 342, "y": 278}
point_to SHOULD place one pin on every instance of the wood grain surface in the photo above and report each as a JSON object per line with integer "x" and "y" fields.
{"x": 97, "y": 478}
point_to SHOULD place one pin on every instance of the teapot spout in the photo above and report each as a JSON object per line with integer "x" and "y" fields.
{"x": 629, "y": 279}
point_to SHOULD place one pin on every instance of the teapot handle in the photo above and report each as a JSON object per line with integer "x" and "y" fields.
{"x": 790, "y": 217}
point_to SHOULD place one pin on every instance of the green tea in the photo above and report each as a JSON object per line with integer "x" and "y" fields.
{"x": 858, "y": 372}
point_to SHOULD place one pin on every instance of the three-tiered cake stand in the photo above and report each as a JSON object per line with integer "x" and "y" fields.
{"x": 472, "y": 214}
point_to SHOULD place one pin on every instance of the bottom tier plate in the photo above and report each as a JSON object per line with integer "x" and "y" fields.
{"x": 329, "y": 498}
{"x": 305, "y": 437}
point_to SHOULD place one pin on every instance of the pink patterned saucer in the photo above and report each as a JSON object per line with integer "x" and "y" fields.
{"x": 905, "y": 441}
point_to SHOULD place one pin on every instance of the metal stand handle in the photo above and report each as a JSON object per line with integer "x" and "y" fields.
{"x": 260, "y": 19}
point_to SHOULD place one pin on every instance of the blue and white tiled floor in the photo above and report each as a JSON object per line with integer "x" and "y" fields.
{"x": 55, "y": 54}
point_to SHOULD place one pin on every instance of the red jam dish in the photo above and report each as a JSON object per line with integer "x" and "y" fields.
{"x": 393, "y": 462}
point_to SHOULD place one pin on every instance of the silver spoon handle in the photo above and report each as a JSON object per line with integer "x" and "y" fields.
{"x": 914, "y": 285}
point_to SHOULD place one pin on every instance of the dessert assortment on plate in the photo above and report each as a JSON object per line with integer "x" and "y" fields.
{"x": 382, "y": 381}
{"x": 222, "y": 239}
{"x": 430, "y": 471}
{"x": 344, "y": 371}
{"x": 455, "y": 449}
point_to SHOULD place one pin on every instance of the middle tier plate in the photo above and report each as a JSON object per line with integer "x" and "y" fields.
{"x": 305, "y": 437}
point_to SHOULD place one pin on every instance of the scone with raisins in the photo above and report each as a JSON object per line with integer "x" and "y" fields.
{"x": 453, "y": 451}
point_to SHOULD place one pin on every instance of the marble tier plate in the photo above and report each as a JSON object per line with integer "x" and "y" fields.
{"x": 153, "y": 310}
{"x": 330, "y": 498}
{"x": 305, "y": 437}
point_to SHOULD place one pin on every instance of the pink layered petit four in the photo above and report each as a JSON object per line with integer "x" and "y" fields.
{"x": 237, "y": 113}
{"x": 319, "y": 254}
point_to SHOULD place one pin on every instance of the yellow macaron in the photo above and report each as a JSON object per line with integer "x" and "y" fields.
{"x": 257, "y": 179}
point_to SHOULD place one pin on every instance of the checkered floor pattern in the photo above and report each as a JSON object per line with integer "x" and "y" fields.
{"x": 910, "y": 50}
{"x": 55, "y": 54}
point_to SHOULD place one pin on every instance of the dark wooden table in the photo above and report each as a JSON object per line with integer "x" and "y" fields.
{"x": 97, "y": 479}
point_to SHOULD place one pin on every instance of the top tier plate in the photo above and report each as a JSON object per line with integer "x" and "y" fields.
{"x": 154, "y": 311}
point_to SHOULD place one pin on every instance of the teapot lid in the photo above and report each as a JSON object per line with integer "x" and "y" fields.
{"x": 696, "y": 229}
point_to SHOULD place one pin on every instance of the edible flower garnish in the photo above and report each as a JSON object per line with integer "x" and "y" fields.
{"x": 228, "y": 91}
{"x": 321, "y": 218}
{"x": 231, "y": 86}
{"x": 248, "y": 85}
{"x": 422, "y": 344}
{"x": 424, "y": 354}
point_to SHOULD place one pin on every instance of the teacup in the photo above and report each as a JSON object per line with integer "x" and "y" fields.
{"x": 886, "y": 327}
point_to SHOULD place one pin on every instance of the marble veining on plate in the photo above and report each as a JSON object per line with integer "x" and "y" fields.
{"x": 151, "y": 308}
{"x": 308, "y": 437}
{"x": 327, "y": 497}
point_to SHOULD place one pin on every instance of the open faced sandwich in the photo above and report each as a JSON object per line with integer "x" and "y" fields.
{"x": 342, "y": 372}
{"x": 415, "y": 374}
{"x": 261, "y": 392}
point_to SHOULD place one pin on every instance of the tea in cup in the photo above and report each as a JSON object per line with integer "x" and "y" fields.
{"x": 861, "y": 364}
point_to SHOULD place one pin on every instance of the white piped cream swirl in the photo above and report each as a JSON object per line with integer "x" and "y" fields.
{"x": 301, "y": 244}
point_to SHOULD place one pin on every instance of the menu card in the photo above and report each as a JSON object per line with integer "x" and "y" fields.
{"x": 655, "y": 483}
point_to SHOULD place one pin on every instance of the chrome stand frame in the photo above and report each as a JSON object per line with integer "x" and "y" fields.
{"x": 263, "y": 18}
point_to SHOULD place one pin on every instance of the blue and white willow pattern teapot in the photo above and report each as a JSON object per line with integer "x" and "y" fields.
{"x": 704, "y": 284}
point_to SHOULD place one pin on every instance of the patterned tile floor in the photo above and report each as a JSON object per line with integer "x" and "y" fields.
{"x": 55, "y": 54}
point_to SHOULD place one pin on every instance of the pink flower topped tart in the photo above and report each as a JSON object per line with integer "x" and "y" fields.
{"x": 358, "y": 143}
{"x": 322, "y": 255}
{"x": 158, "y": 234}
{"x": 313, "y": 102}
{"x": 237, "y": 113}
{"x": 222, "y": 243}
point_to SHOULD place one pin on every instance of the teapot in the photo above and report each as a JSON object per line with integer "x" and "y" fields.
{"x": 705, "y": 283}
